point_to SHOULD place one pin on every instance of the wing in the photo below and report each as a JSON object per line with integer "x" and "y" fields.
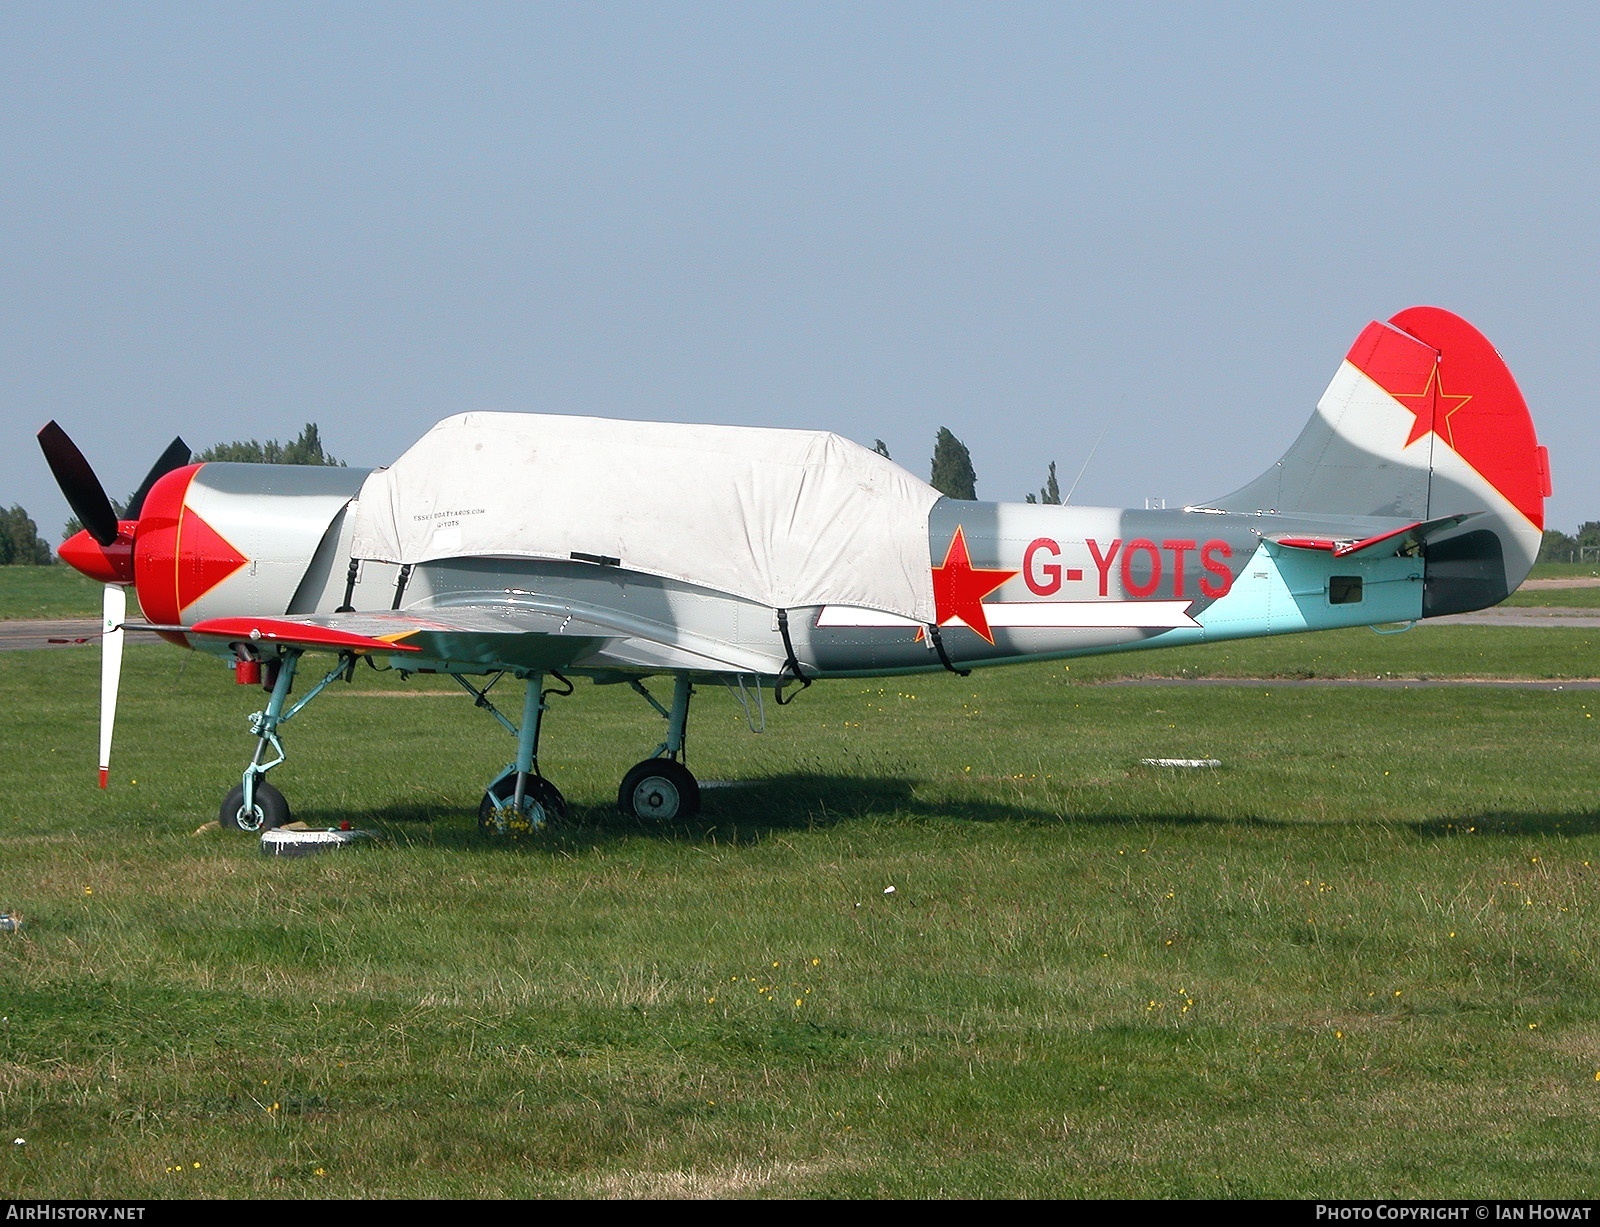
{"x": 526, "y": 633}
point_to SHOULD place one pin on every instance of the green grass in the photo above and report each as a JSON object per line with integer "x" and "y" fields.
{"x": 1565, "y": 570}
{"x": 48, "y": 592}
{"x": 1495, "y": 652}
{"x": 1569, "y": 598}
{"x": 1357, "y": 960}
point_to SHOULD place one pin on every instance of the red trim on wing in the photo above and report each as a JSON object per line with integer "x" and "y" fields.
{"x": 294, "y": 634}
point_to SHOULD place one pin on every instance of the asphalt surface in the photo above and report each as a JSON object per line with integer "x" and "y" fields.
{"x": 1521, "y": 615}
{"x": 26, "y": 634}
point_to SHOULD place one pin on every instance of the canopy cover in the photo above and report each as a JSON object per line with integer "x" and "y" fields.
{"x": 787, "y": 518}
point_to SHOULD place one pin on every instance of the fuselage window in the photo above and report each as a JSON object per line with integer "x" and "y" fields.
{"x": 1344, "y": 589}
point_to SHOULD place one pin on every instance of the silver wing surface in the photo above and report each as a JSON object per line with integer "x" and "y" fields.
{"x": 521, "y": 633}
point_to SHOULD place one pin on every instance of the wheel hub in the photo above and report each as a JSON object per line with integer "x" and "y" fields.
{"x": 657, "y": 798}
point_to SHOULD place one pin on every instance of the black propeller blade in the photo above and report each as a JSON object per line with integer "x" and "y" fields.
{"x": 85, "y": 495}
{"x": 175, "y": 457}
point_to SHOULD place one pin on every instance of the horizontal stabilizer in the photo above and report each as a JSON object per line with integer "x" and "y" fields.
{"x": 1396, "y": 541}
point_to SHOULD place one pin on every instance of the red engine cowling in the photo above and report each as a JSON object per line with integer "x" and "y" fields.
{"x": 220, "y": 540}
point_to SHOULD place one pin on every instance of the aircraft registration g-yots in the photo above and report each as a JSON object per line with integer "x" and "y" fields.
{"x": 559, "y": 547}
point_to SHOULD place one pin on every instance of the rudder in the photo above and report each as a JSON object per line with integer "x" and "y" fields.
{"x": 1423, "y": 421}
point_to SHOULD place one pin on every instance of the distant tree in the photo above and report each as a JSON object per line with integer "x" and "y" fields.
{"x": 74, "y": 526}
{"x": 19, "y": 540}
{"x": 1557, "y": 547}
{"x": 307, "y": 449}
{"x": 1587, "y": 542}
{"x": 1051, "y": 493}
{"x": 882, "y": 448}
{"x": 953, "y": 473}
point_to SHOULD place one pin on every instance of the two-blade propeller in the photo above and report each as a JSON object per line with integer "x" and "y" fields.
{"x": 95, "y": 511}
{"x": 84, "y": 493}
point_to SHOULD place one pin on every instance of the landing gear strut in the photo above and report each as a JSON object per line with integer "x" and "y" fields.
{"x": 519, "y": 799}
{"x": 253, "y": 804}
{"x": 661, "y": 789}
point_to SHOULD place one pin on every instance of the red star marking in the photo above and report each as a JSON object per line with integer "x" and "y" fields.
{"x": 959, "y": 587}
{"x": 205, "y": 560}
{"x": 1433, "y": 407}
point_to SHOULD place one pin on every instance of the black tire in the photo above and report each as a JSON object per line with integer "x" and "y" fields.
{"x": 659, "y": 790}
{"x": 271, "y": 810}
{"x": 542, "y": 803}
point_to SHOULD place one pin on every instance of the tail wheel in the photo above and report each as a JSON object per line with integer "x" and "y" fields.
{"x": 659, "y": 790}
{"x": 268, "y": 809}
{"x": 542, "y": 803}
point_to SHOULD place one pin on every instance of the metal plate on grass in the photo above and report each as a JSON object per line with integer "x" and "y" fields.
{"x": 281, "y": 842}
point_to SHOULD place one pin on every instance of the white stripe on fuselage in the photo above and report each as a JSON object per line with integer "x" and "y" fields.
{"x": 1141, "y": 615}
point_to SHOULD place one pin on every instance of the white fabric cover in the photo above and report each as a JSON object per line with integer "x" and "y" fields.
{"x": 788, "y": 518}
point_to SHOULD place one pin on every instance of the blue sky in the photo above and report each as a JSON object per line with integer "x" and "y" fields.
{"x": 1027, "y": 223}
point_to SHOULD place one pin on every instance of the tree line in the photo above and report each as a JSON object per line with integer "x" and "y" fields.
{"x": 1557, "y": 546}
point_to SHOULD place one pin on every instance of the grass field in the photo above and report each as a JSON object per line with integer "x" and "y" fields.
{"x": 1572, "y": 598}
{"x": 47, "y": 592}
{"x": 1359, "y": 959}
{"x": 1566, "y": 570}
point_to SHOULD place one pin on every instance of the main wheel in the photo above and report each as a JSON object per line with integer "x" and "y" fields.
{"x": 542, "y": 802}
{"x": 659, "y": 790}
{"x": 268, "y": 810}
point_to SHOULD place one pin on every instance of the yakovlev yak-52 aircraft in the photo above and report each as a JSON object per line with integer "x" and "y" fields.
{"x": 558, "y": 547}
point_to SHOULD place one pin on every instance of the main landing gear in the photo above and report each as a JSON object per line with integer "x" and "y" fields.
{"x": 661, "y": 789}
{"x": 520, "y": 799}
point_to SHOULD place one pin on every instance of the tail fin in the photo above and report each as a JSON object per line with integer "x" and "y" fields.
{"x": 1423, "y": 421}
